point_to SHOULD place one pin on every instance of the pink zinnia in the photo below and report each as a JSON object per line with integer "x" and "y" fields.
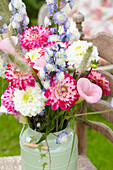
{"x": 101, "y": 81}
{"x": 35, "y": 37}
{"x": 62, "y": 94}
{"x": 18, "y": 79}
{"x": 7, "y": 100}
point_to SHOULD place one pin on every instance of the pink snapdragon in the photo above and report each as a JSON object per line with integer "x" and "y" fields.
{"x": 35, "y": 37}
{"x": 62, "y": 94}
{"x": 101, "y": 81}
{"x": 91, "y": 92}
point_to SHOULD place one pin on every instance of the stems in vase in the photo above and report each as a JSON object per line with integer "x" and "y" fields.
{"x": 57, "y": 120}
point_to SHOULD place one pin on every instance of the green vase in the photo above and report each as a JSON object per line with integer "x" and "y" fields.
{"x": 60, "y": 153}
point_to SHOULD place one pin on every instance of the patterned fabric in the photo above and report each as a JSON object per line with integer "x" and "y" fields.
{"x": 98, "y": 15}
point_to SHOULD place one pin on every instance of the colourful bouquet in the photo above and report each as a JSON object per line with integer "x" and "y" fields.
{"x": 49, "y": 70}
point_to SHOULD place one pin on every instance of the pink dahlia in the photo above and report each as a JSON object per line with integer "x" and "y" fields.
{"x": 101, "y": 81}
{"x": 62, "y": 94}
{"x": 18, "y": 79}
{"x": 35, "y": 37}
{"x": 7, "y": 100}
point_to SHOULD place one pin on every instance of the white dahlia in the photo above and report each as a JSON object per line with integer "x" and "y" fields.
{"x": 76, "y": 53}
{"x": 29, "y": 102}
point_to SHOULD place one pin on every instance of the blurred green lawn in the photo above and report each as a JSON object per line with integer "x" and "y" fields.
{"x": 99, "y": 149}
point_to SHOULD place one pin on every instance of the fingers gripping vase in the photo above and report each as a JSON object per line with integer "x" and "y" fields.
{"x": 60, "y": 153}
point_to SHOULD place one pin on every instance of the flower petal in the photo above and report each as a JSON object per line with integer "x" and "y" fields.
{"x": 7, "y": 47}
{"x": 89, "y": 91}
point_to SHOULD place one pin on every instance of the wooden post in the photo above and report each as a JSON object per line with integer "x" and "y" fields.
{"x": 79, "y": 18}
{"x": 81, "y": 131}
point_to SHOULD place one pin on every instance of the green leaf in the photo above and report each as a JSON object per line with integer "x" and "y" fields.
{"x": 37, "y": 78}
{"x": 33, "y": 139}
{"x": 44, "y": 136}
{"x": 39, "y": 147}
{"x": 44, "y": 165}
{"x": 42, "y": 155}
{"x": 78, "y": 119}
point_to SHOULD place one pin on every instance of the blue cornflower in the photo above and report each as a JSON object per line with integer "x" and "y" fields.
{"x": 59, "y": 18}
{"x": 62, "y": 138}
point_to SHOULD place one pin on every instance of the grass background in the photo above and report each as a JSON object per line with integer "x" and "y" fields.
{"x": 99, "y": 149}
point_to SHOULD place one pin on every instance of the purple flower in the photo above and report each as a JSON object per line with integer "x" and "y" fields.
{"x": 62, "y": 138}
{"x": 51, "y": 2}
{"x": 59, "y": 17}
{"x": 71, "y": 3}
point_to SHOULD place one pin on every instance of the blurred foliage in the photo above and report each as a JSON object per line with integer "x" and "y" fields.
{"x": 33, "y": 7}
{"x": 3, "y": 86}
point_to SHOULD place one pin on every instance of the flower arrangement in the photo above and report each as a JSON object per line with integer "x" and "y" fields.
{"x": 49, "y": 70}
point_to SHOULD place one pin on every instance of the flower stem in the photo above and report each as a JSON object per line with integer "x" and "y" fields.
{"x": 57, "y": 120}
{"x": 49, "y": 155}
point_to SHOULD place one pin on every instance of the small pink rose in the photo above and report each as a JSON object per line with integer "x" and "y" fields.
{"x": 89, "y": 91}
{"x": 7, "y": 47}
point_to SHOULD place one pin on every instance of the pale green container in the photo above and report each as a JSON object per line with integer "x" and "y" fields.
{"x": 60, "y": 153}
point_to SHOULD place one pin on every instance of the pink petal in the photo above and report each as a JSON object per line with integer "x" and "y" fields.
{"x": 3, "y": 109}
{"x": 41, "y": 62}
{"x": 7, "y": 47}
{"x": 89, "y": 91}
